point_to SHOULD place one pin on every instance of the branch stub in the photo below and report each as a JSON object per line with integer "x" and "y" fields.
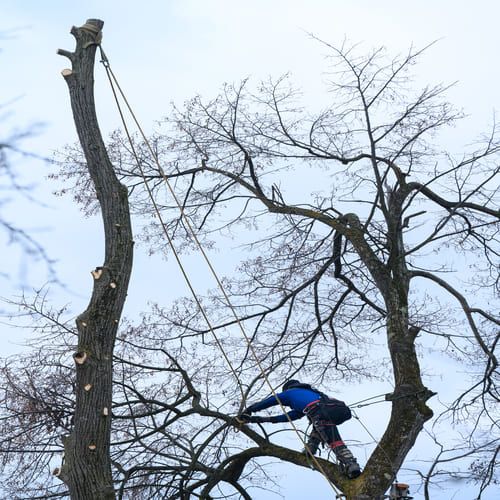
{"x": 80, "y": 357}
{"x": 97, "y": 273}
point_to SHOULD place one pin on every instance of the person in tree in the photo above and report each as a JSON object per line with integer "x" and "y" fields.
{"x": 324, "y": 413}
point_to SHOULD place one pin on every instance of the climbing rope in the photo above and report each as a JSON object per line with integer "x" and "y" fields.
{"x": 169, "y": 239}
{"x": 358, "y": 405}
{"x": 113, "y": 81}
{"x": 387, "y": 397}
{"x": 376, "y": 441}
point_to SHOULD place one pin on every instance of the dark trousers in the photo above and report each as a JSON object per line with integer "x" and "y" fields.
{"x": 325, "y": 415}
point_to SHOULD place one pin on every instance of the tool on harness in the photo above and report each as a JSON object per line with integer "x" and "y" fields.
{"x": 399, "y": 491}
{"x": 325, "y": 414}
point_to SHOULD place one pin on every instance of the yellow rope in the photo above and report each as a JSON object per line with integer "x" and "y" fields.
{"x": 186, "y": 277}
{"x": 112, "y": 78}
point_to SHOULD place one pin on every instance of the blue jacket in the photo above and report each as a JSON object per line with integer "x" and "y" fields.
{"x": 296, "y": 398}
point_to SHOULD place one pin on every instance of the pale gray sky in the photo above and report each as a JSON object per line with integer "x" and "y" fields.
{"x": 169, "y": 50}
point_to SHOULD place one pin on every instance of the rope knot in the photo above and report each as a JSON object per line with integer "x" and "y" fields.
{"x": 96, "y": 34}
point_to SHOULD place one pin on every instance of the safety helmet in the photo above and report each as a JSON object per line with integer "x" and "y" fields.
{"x": 290, "y": 384}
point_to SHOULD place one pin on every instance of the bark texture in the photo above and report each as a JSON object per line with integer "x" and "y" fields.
{"x": 87, "y": 470}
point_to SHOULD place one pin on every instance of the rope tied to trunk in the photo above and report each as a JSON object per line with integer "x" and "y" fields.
{"x": 93, "y": 31}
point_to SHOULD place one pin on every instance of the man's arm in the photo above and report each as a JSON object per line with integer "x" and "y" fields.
{"x": 293, "y": 415}
{"x": 267, "y": 403}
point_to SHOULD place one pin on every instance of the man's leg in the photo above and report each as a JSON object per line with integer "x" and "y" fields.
{"x": 346, "y": 459}
{"x": 313, "y": 442}
{"x": 343, "y": 454}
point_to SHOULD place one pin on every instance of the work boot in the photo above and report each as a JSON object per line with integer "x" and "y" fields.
{"x": 348, "y": 463}
{"x": 312, "y": 446}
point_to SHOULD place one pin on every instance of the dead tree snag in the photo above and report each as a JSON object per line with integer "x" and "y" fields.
{"x": 87, "y": 470}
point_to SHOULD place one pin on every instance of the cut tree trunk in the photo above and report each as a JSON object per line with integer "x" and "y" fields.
{"x": 87, "y": 469}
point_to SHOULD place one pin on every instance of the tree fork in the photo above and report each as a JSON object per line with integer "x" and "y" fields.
{"x": 87, "y": 470}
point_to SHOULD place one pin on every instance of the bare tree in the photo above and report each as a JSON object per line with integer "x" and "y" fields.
{"x": 395, "y": 253}
{"x": 332, "y": 272}
{"x": 391, "y": 215}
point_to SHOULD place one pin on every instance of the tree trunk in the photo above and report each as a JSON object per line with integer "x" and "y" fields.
{"x": 87, "y": 470}
{"x": 409, "y": 409}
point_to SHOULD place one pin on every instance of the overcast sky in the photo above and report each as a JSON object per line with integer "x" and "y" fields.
{"x": 170, "y": 50}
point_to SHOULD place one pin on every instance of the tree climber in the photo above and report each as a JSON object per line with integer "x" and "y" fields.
{"x": 323, "y": 412}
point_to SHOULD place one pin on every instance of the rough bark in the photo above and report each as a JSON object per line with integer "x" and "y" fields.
{"x": 409, "y": 411}
{"x": 87, "y": 470}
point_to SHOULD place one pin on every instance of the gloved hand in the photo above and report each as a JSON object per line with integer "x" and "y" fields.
{"x": 244, "y": 417}
{"x": 247, "y": 419}
{"x": 258, "y": 420}
{"x": 249, "y": 410}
